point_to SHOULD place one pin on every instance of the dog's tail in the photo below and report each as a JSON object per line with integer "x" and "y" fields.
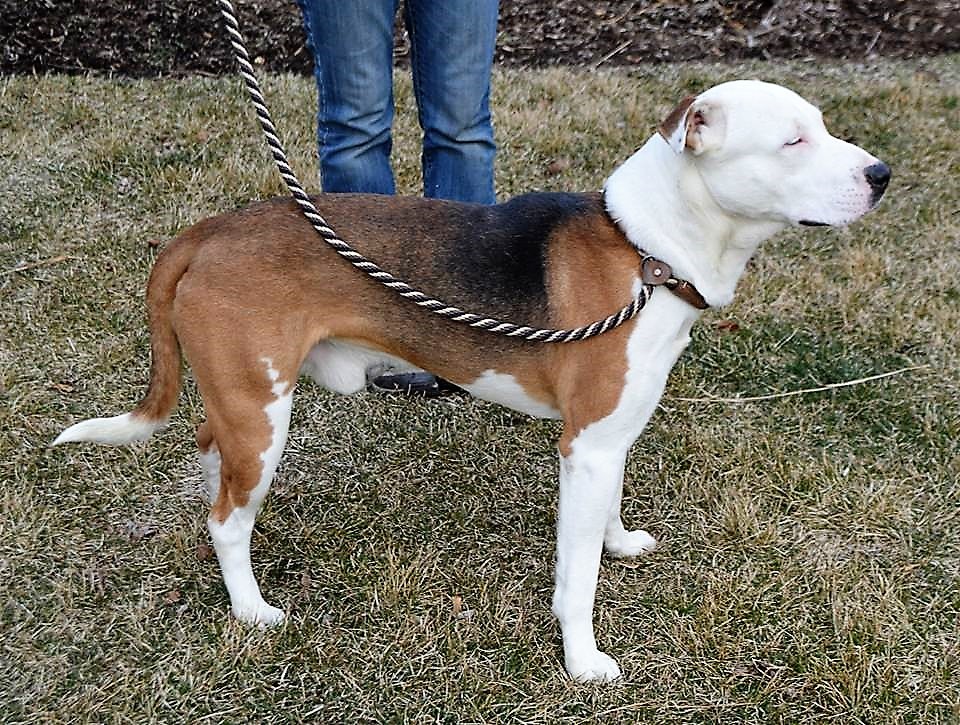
{"x": 153, "y": 412}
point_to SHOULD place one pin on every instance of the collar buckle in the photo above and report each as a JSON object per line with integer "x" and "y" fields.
{"x": 655, "y": 273}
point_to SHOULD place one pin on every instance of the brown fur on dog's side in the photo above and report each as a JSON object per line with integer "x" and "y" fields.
{"x": 262, "y": 276}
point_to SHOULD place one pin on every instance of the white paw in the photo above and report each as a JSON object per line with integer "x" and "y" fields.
{"x": 594, "y": 666}
{"x": 259, "y": 614}
{"x": 630, "y": 543}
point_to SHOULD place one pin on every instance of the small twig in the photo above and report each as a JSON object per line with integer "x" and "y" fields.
{"x": 34, "y": 265}
{"x": 619, "y": 49}
{"x": 791, "y": 393}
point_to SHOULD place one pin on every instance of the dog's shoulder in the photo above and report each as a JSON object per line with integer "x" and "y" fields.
{"x": 529, "y": 217}
{"x": 501, "y": 252}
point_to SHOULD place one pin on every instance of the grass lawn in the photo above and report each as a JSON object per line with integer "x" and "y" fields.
{"x": 809, "y": 568}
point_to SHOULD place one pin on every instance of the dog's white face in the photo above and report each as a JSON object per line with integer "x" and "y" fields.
{"x": 764, "y": 153}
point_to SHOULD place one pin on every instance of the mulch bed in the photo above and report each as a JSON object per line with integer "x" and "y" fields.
{"x": 142, "y": 39}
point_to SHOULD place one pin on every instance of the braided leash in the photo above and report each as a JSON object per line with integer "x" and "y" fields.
{"x": 372, "y": 269}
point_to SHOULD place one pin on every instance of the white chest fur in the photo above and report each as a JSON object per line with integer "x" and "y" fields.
{"x": 661, "y": 333}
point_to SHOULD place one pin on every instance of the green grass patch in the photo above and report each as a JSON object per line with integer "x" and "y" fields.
{"x": 810, "y": 561}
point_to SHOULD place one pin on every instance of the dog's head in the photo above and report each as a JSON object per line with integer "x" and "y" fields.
{"x": 763, "y": 152}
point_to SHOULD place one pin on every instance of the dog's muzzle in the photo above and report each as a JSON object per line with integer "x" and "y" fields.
{"x": 877, "y": 176}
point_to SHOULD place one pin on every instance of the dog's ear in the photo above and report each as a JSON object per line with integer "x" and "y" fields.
{"x": 674, "y": 127}
{"x": 694, "y": 125}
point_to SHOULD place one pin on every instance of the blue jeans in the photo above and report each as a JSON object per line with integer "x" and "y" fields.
{"x": 451, "y": 55}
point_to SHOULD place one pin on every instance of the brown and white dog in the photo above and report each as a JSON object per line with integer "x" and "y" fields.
{"x": 253, "y": 299}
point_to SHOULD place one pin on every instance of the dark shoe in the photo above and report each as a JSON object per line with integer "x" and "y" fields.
{"x": 422, "y": 385}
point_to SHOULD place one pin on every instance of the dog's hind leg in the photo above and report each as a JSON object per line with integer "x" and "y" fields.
{"x": 249, "y": 433}
{"x": 209, "y": 461}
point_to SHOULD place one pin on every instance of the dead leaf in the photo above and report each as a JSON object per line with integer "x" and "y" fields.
{"x": 204, "y": 552}
{"x": 172, "y": 597}
{"x": 726, "y": 326}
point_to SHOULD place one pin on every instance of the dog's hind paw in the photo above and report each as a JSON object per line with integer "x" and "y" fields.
{"x": 259, "y": 614}
{"x": 594, "y": 666}
{"x": 630, "y": 543}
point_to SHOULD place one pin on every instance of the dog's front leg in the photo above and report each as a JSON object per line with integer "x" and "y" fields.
{"x": 590, "y": 481}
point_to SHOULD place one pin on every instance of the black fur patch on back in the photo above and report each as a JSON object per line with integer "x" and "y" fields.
{"x": 498, "y": 258}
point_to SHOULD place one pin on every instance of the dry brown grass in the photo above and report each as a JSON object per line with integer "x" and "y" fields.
{"x": 810, "y": 566}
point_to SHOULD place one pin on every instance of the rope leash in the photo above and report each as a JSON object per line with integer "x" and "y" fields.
{"x": 373, "y": 270}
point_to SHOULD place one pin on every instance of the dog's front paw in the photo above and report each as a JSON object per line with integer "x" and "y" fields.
{"x": 259, "y": 614}
{"x": 630, "y": 543}
{"x": 593, "y": 666}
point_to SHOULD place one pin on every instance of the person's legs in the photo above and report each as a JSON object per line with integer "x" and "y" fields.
{"x": 451, "y": 55}
{"x": 352, "y": 46}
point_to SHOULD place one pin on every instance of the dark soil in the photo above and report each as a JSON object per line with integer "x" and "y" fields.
{"x": 185, "y": 36}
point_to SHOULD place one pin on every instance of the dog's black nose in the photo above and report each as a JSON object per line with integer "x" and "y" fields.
{"x": 878, "y": 176}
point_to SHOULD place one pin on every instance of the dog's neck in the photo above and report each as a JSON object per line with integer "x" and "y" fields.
{"x": 671, "y": 215}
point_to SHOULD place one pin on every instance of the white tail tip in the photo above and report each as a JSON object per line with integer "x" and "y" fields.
{"x": 113, "y": 431}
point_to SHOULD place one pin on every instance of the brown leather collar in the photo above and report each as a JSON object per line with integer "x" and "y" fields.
{"x": 656, "y": 273}
{"x": 659, "y": 274}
